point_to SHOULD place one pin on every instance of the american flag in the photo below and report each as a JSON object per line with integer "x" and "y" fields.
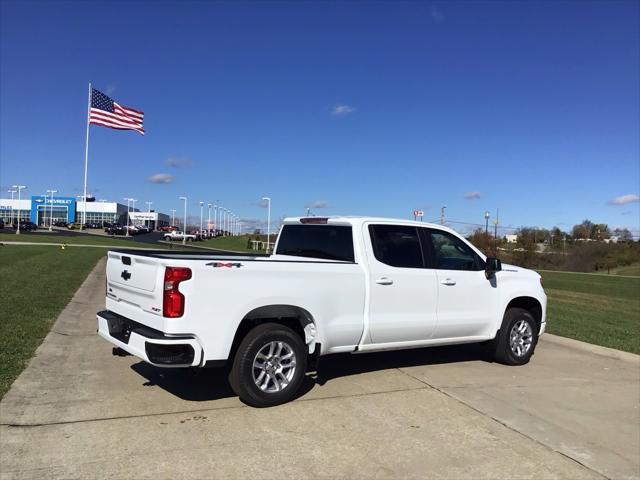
{"x": 104, "y": 111}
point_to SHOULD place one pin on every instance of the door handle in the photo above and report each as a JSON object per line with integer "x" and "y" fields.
{"x": 384, "y": 281}
{"x": 448, "y": 281}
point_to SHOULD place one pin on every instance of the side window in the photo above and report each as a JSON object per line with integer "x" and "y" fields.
{"x": 396, "y": 245}
{"x": 451, "y": 253}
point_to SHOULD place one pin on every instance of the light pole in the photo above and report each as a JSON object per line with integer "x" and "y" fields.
{"x": 442, "y": 214}
{"x": 486, "y": 222}
{"x": 50, "y": 192}
{"x": 201, "y": 206}
{"x": 133, "y": 205}
{"x": 146, "y": 222}
{"x": 11, "y": 214}
{"x": 102, "y": 216}
{"x": 173, "y": 217}
{"x": 209, "y": 205}
{"x": 224, "y": 221}
{"x": 19, "y": 189}
{"x": 184, "y": 227}
{"x": 215, "y": 219}
{"x": 268, "y": 199}
{"x": 128, "y": 203}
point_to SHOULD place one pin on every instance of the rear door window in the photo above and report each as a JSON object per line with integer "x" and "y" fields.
{"x": 397, "y": 245}
{"x": 330, "y": 242}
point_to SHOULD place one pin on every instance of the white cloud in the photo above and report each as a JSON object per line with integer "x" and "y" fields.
{"x": 436, "y": 14}
{"x": 472, "y": 195}
{"x": 179, "y": 162}
{"x": 318, "y": 204}
{"x": 624, "y": 199}
{"x": 342, "y": 110}
{"x": 160, "y": 178}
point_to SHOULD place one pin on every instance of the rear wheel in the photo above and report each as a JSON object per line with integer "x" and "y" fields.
{"x": 269, "y": 366}
{"x": 517, "y": 338}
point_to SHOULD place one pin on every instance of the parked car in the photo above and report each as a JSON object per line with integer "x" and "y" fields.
{"x": 168, "y": 228}
{"x": 1, "y": 224}
{"x": 25, "y": 226}
{"x": 60, "y": 223}
{"x": 177, "y": 235}
{"x": 92, "y": 225}
{"x": 116, "y": 229}
{"x": 341, "y": 284}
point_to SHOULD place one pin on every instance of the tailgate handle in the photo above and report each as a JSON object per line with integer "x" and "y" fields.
{"x": 126, "y": 260}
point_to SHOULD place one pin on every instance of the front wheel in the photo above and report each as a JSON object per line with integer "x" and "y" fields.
{"x": 269, "y": 366}
{"x": 517, "y": 338}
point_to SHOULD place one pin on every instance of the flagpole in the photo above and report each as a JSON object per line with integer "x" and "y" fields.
{"x": 86, "y": 162}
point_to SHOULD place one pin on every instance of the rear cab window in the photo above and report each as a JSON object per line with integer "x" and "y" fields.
{"x": 327, "y": 242}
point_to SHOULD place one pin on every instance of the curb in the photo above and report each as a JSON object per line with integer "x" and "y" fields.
{"x": 591, "y": 348}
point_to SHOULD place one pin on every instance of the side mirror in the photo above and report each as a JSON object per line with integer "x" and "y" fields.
{"x": 493, "y": 265}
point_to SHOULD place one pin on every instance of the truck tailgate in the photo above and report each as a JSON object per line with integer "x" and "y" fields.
{"x": 134, "y": 287}
{"x": 132, "y": 272}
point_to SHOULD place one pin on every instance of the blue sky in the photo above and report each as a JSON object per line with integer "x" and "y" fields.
{"x": 350, "y": 107}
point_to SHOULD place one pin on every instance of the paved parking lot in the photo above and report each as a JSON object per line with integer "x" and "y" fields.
{"x": 79, "y": 412}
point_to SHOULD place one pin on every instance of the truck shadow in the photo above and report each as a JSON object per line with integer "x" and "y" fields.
{"x": 212, "y": 384}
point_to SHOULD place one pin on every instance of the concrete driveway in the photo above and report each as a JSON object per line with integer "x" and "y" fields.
{"x": 79, "y": 412}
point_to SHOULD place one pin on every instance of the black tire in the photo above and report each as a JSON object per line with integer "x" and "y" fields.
{"x": 241, "y": 377}
{"x": 503, "y": 352}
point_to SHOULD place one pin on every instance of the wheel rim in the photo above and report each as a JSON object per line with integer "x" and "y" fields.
{"x": 274, "y": 366}
{"x": 521, "y": 338}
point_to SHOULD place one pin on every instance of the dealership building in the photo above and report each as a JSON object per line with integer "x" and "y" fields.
{"x": 42, "y": 209}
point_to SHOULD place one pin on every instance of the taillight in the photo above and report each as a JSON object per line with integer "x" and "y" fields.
{"x": 173, "y": 300}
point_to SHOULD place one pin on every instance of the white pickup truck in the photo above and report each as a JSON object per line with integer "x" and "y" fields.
{"x": 338, "y": 284}
{"x": 176, "y": 235}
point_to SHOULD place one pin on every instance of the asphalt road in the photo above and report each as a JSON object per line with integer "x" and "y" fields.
{"x": 79, "y": 412}
{"x": 151, "y": 237}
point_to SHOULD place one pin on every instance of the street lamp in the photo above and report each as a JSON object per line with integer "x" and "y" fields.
{"x": 173, "y": 217}
{"x": 201, "y": 205}
{"x": 486, "y": 222}
{"x": 128, "y": 200}
{"x": 209, "y": 205}
{"x": 102, "y": 200}
{"x": 215, "y": 218}
{"x": 19, "y": 189}
{"x": 224, "y": 221}
{"x": 11, "y": 214}
{"x": 268, "y": 199}
{"x": 442, "y": 214}
{"x": 50, "y": 192}
{"x": 148, "y": 206}
{"x": 184, "y": 226}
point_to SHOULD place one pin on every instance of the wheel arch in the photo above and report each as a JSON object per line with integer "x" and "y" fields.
{"x": 530, "y": 304}
{"x": 292, "y": 316}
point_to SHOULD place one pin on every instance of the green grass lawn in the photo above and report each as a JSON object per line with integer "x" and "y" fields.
{"x": 37, "y": 283}
{"x": 237, "y": 244}
{"x": 599, "y": 309}
{"x": 632, "y": 270}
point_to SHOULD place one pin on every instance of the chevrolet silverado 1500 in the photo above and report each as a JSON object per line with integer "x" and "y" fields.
{"x": 338, "y": 284}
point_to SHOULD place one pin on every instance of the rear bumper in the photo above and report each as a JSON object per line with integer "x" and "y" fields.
{"x": 150, "y": 345}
